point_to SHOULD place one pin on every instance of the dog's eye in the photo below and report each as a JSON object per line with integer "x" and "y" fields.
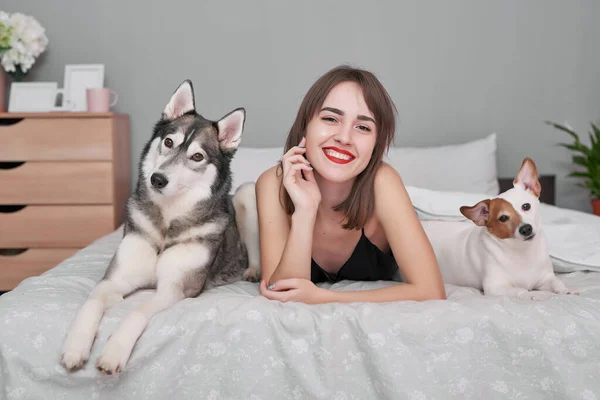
{"x": 168, "y": 142}
{"x": 526, "y": 207}
{"x": 503, "y": 218}
{"x": 197, "y": 157}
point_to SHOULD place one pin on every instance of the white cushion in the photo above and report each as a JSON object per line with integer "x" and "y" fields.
{"x": 466, "y": 167}
{"x": 249, "y": 163}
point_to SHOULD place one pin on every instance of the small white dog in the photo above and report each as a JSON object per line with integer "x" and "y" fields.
{"x": 504, "y": 252}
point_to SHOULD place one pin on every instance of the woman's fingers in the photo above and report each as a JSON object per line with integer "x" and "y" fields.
{"x": 296, "y": 158}
{"x": 294, "y": 169}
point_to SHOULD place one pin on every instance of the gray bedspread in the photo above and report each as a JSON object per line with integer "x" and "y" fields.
{"x": 231, "y": 343}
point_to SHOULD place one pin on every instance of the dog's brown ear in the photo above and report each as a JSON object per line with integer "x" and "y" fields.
{"x": 528, "y": 177}
{"x": 479, "y": 213}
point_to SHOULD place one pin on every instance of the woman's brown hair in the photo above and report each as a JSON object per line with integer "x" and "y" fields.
{"x": 359, "y": 204}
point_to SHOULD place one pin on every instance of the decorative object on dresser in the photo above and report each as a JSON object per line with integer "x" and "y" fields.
{"x": 36, "y": 97}
{"x": 65, "y": 178}
{"x": 22, "y": 41}
{"x": 79, "y": 78}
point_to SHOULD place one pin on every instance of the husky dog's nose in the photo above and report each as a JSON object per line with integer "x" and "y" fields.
{"x": 525, "y": 230}
{"x": 159, "y": 181}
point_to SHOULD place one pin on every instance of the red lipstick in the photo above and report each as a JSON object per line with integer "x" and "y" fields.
{"x": 347, "y": 156}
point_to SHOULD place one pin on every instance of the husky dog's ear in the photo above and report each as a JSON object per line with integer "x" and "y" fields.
{"x": 527, "y": 177}
{"x": 479, "y": 213}
{"x": 181, "y": 102}
{"x": 230, "y": 129}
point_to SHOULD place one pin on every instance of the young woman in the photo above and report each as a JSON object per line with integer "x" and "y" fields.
{"x": 333, "y": 210}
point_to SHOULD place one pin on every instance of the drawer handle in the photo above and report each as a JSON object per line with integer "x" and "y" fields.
{"x": 12, "y": 252}
{"x": 11, "y": 165}
{"x": 11, "y": 209}
{"x": 10, "y": 121}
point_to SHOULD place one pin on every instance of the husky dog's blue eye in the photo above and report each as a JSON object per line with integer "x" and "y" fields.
{"x": 197, "y": 157}
{"x": 168, "y": 142}
{"x": 503, "y": 218}
{"x": 526, "y": 207}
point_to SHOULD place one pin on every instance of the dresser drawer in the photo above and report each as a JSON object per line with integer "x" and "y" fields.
{"x": 16, "y": 267}
{"x": 54, "y": 226}
{"x": 57, "y": 183}
{"x": 56, "y": 139}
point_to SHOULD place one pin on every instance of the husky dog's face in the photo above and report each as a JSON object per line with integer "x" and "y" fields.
{"x": 187, "y": 152}
{"x": 513, "y": 214}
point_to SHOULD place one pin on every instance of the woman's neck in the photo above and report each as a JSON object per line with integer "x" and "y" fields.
{"x": 332, "y": 193}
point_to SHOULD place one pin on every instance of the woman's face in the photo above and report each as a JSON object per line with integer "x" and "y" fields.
{"x": 341, "y": 136}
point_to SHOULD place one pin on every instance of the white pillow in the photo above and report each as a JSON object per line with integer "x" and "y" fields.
{"x": 249, "y": 163}
{"x": 467, "y": 167}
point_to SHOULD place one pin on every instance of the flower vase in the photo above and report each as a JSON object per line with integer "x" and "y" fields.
{"x": 3, "y": 91}
{"x": 596, "y": 207}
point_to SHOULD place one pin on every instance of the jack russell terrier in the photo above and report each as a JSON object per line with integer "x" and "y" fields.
{"x": 504, "y": 253}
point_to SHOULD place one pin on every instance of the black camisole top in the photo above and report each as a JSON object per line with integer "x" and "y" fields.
{"x": 366, "y": 263}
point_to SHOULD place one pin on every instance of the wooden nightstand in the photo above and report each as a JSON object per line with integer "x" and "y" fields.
{"x": 64, "y": 182}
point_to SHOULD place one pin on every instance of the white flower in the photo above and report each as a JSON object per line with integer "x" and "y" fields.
{"x": 254, "y": 315}
{"x": 25, "y": 39}
{"x": 547, "y": 384}
{"x": 215, "y": 349}
{"x": 552, "y": 337}
{"x": 300, "y": 346}
{"x": 464, "y": 335}
{"x": 376, "y": 340}
{"x": 588, "y": 395}
{"x": 500, "y": 386}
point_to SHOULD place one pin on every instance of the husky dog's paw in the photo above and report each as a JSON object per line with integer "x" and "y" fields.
{"x": 566, "y": 291}
{"x": 76, "y": 352}
{"x": 113, "y": 358}
{"x": 252, "y": 274}
{"x": 535, "y": 295}
{"x": 74, "y": 359}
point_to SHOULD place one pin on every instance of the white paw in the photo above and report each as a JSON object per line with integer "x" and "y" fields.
{"x": 76, "y": 352}
{"x": 252, "y": 274}
{"x": 566, "y": 291}
{"x": 535, "y": 295}
{"x": 113, "y": 358}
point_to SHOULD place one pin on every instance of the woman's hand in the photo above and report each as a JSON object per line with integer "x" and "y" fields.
{"x": 293, "y": 289}
{"x": 303, "y": 190}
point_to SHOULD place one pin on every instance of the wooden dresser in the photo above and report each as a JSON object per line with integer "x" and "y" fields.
{"x": 64, "y": 181}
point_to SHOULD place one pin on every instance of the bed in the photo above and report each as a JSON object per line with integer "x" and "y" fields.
{"x": 231, "y": 343}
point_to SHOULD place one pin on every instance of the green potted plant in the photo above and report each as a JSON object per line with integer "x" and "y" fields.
{"x": 587, "y": 158}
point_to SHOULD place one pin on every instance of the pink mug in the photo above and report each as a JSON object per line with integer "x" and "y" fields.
{"x": 98, "y": 99}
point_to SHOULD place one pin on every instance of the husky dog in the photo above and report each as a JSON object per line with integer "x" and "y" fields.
{"x": 180, "y": 234}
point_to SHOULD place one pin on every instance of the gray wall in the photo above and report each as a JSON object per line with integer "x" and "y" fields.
{"x": 456, "y": 70}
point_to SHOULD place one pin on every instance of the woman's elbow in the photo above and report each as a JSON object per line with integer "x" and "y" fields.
{"x": 437, "y": 293}
{"x": 433, "y": 293}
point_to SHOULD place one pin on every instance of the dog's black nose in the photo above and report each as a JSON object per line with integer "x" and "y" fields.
{"x": 525, "y": 230}
{"x": 159, "y": 181}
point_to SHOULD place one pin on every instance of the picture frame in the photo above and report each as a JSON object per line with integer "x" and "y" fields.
{"x": 79, "y": 77}
{"x": 33, "y": 97}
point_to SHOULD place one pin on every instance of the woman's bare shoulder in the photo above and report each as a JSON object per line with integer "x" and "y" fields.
{"x": 387, "y": 175}
{"x": 270, "y": 177}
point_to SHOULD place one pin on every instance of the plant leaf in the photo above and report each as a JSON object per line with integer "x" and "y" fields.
{"x": 564, "y": 129}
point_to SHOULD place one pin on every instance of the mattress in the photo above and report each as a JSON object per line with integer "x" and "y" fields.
{"x": 232, "y": 343}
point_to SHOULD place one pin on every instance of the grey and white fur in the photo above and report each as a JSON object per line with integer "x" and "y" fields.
{"x": 181, "y": 233}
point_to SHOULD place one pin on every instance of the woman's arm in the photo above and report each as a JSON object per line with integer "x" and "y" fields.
{"x": 405, "y": 234}
{"x": 410, "y": 246}
{"x": 285, "y": 249}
